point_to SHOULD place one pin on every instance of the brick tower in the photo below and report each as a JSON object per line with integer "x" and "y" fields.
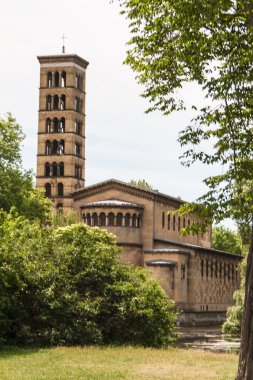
{"x": 61, "y": 129}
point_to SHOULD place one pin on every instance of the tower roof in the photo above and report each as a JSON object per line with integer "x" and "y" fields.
{"x": 62, "y": 60}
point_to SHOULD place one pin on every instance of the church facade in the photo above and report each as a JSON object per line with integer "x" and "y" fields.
{"x": 200, "y": 279}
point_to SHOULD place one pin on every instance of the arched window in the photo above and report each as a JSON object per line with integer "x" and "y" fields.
{"x": 174, "y": 222}
{"x": 55, "y": 147}
{"x": 77, "y": 81}
{"x": 111, "y": 219}
{"x": 168, "y": 221}
{"x": 76, "y": 104}
{"x": 63, "y": 102}
{"x": 119, "y": 219}
{"x": 61, "y": 169}
{"x": 127, "y": 220}
{"x": 95, "y": 219}
{"x": 48, "y": 103}
{"x": 48, "y": 147}
{"x": 60, "y": 190}
{"x": 48, "y": 189}
{"x": 78, "y": 149}
{"x": 56, "y": 79}
{"x": 78, "y": 127}
{"x": 54, "y": 167}
{"x": 202, "y": 268}
{"x": 63, "y": 79}
{"x": 56, "y": 123}
{"x": 47, "y": 169}
{"x": 183, "y": 222}
{"x": 102, "y": 218}
{"x": 134, "y": 220}
{"x": 49, "y": 79}
{"x": 179, "y": 224}
{"x": 163, "y": 219}
{"x": 56, "y": 102}
{"x": 48, "y": 125}
{"x": 88, "y": 221}
{"x": 207, "y": 268}
{"x": 62, "y": 125}
{"x": 139, "y": 221}
{"x": 189, "y": 222}
{"x": 61, "y": 147}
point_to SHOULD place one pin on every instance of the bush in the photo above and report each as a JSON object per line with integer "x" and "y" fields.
{"x": 66, "y": 286}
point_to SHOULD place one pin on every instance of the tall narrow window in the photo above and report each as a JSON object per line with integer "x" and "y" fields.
{"x": 63, "y": 103}
{"x": 119, "y": 219}
{"x": 183, "y": 222}
{"x": 48, "y": 189}
{"x": 48, "y": 103}
{"x": 49, "y": 79}
{"x": 134, "y": 220}
{"x": 174, "y": 222}
{"x": 61, "y": 169}
{"x": 56, "y": 102}
{"x": 48, "y": 125}
{"x": 179, "y": 223}
{"x": 168, "y": 221}
{"x": 63, "y": 79}
{"x": 207, "y": 264}
{"x": 202, "y": 268}
{"x": 54, "y": 166}
{"x": 60, "y": 189}
{"x": 56, "y": 123}
{"x": 127, "y": 220}
{"x": 163, "y": 219}
{"x": 48, "y": 147}
{"x": 111, "y": 219}
{"x": 102, "y": 218}
{"x": 55, "y": 147}
{"x": 62, "y": 125}
{"x": 47, "y": 169}
{"x": 56, "y": 79}
{"x": 139, "y": 221}
{"x": 61, "y": 147}
{"x": 88, "y": 220}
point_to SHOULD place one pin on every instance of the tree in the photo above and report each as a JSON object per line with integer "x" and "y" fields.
{"x": 66, "y": 286}
{"x": 224, "y": 239}
{"x": 16, "y": 185}
{"x": 209, "y": 43}
{"x": 142, "y": 183}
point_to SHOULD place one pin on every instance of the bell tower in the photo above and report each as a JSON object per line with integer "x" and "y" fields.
{"x": 61, "y": 128}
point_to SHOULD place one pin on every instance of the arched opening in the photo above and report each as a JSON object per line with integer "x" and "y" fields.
{"x": 102, "y": 218}
{"x": 163, "y": 220}
{"x": 174, "y": 222}
{"x": 49, "y": 79}
{"x": 134, "y": 220}
{"x": 139, "y": 221}
{"x": 77, "y": 81}
{"x": 56, "y": 79}
{"x": 95, "y": 219}
{"x": 47, "y": 147}
{"x": 54, "y": 167}
{"x": 55, "y": 147}
{"x": 48, "y": 189}
{"x": 56, "y": 123}
{"x": 63, "y": 103}
{"x": 88, "y": 219}
{"x": 62, "y": 125}
{"x": 47, "y": 169}
{"x": 48, "y": 103}
{"x": 59, "y": 207}
{"x": 61, "y": 147}
{"x": 119, "y": 219}
{"x": 63, "y": 79}
{"x": 169, "y": 222}
{"x": 127, "y": 220}
{"x": 56, "y": 102}
{"x": 76, "y": 104}
{"x": 111, "y": 218}
{"x": 78, "y": 149}
{"x": 60, "y": 190}
{"x": 48, "y": 125}
{"x": 61, "y": 169}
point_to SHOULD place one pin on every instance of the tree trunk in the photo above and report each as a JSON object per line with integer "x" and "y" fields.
{"x": 245, "y": 366}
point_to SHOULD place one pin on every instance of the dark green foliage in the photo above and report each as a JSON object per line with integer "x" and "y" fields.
{"x": 226, "y": 240}
{"x": 16, "y": 185}
{"x": 66, "y": 286}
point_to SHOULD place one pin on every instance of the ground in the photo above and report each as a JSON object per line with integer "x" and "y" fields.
{"x": 114, "y": 363}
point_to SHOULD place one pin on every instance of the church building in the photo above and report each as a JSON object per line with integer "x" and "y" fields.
{"x": 200, "y": 279}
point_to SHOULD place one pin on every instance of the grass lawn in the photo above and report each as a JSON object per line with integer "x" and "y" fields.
{"x": 91, "y": 363}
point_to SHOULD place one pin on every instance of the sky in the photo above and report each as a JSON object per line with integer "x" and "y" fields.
{"x": 122, "y": 142}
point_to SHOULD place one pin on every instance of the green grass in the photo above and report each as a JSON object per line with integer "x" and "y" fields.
{"x": 91, "y": 363}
